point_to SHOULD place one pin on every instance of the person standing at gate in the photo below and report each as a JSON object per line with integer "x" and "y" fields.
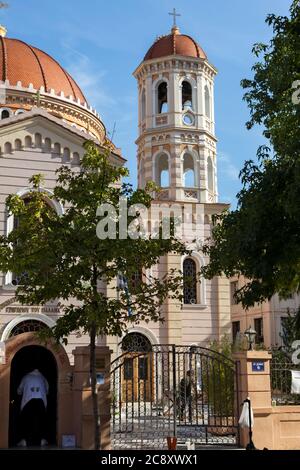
{"x": 34, "y": 389}
{"x": 186, "y": 391}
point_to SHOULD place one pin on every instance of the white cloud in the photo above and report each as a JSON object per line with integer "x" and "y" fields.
{"x": 114, "y": 107}
{"x": 89, "y": 78}
{"x": 226, "y": 167}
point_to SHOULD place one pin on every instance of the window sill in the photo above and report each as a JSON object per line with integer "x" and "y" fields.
{"x": 193, "y": 306}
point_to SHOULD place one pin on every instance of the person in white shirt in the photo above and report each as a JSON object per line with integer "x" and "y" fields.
{"x": 34, "y": 389}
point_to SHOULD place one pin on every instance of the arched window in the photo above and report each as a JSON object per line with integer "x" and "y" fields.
{"x": 210, "y": 174}
{"x": 38, "y": 140}
{"x": 162, "y": 171}
{"x": 136, "y": 342}
{"x": 189, "y": 281}
{"x": 18, "y": 144}
{"x": 7, "y": 147}
{"x": 57, "y": 148}
{"x": 162, "y": 98}
{"x": 67, "y": 155}
{"x": 76, "y": 158}
{"x": 135, "y": 281}
{"x": 14, "y": 221}
{"x": 207, "y": 102}
{"x": 27, "y": 326}
{"x": 187, "y": 99}
{"x": 188, "y": 171}
{"x": 19, "y": 111}
{"x": 28, "y": 141}
{"x": 48, "y": 144}
{"x": 18, "y": 278}
{"x": 5, "y": 114}
{"x": 143, "y": 105}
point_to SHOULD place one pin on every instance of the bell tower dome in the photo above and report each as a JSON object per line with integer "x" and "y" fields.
{"x": 177, "y": 142}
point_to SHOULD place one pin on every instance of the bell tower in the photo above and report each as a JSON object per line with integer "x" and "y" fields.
{"x": 177, "y": 142}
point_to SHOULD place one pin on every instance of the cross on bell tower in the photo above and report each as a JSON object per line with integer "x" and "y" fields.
{"x": 174, "y": 14}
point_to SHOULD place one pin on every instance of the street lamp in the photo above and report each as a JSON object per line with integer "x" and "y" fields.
{"x": 250, "y": 334}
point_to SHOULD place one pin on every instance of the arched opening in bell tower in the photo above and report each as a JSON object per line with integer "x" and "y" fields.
{"x": 207, "y": 102}
{"x": 162, "y": 171}
{"x": 187, "y": 98}
{"x": 188, "y": 171}
{"x": 210, "y": 174}
{"x": 143, "y": 105}
{"x": 162, "y": 98}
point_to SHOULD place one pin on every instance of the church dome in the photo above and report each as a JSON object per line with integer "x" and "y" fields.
{"x": 175, "y": 44}
{"x": 31, "y": 78}
{"x": 28, "y": 66}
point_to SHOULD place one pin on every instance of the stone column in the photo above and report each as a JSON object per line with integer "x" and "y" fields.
{"x": 83, "y": 409}
{"x": 254, "y": 382}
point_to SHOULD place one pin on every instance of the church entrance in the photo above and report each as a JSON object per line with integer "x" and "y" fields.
{"x": 137, "y": 368}
{"x": 26, "y": 360}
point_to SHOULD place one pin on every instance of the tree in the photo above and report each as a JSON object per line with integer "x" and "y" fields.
{"x": 290, "y": 330}
{"x": 260, "y": 240}
{"x": 61, "y": 257}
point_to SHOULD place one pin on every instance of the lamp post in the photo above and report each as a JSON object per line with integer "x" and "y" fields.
{"x": 250, "y": 334}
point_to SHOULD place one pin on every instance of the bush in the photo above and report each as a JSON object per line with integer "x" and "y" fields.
{"x": 219, "y": 377}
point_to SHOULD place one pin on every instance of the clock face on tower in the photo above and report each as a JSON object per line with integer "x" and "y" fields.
{"x": 188, "y": 119}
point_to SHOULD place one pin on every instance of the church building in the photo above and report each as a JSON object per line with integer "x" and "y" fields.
{"x": 44, "y": 121}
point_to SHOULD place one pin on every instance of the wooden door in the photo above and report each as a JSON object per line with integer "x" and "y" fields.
{"x": 137, "y": 377}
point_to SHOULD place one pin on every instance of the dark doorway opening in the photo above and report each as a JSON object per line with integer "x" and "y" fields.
{"x": 26, "y": 360}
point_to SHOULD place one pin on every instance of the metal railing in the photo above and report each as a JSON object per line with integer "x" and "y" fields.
{"x": 187, "y": 392}
{"x": 281, "y": 380}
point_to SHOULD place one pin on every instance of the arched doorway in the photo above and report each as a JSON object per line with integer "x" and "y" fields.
{"x": 24, "y": 361}
{"x": 137, "y": 367}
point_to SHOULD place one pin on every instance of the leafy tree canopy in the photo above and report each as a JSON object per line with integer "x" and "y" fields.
{"x": 260, "y": 240}
{"x": 60, "y": 256}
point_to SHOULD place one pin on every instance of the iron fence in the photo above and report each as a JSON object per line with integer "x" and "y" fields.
{"x": 173, "y": 391}
{"x": 281, "y": 380}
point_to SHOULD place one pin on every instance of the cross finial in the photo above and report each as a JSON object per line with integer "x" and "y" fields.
{"x": 174, "y": 14}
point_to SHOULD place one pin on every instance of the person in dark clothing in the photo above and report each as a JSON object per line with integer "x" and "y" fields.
{"x": 186, "y": 390}
{"x": 33, "y": 420}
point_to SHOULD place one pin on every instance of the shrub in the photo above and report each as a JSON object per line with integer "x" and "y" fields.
{"x": 218, "y": 378}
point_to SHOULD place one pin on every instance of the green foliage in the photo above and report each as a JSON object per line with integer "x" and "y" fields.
{"x": 290, "y": 330}
{"x": 218, "y": 378}
{"x": 281, "y": 377}
{"x": 260, "y": 239}
{"x": 61, "y": 257}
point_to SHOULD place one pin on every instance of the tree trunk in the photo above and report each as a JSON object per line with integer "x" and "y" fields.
{"x": 93, "y": 376}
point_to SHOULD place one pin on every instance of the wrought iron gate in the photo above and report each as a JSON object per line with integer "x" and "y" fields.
{"x": 188, "y": 392}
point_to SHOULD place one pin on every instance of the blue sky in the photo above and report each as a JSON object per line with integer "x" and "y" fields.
{"x": 101, "y": 42}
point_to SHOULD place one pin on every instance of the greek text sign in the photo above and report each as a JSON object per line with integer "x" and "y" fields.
{"x": 258, "y": 366}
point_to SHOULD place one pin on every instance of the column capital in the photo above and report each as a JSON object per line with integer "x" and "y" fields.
{"x": 253, "y": 355}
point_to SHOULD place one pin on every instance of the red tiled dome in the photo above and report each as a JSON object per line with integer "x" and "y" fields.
{"x": 20, "y": 62}
{"x": 175, "y": 43}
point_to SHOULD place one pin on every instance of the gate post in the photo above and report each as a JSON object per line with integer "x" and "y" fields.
{"x": 103, "y": 361}
{"x": 254, "y": 382}
{"x": 83, "y": 409}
